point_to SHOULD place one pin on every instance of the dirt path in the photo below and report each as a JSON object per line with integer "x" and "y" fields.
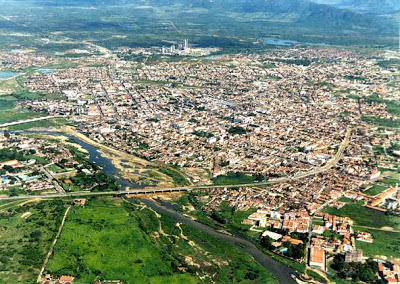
{"x": 39, "y": 279}
{"x": 385, "y": 229}
{"x": 15, "y": 204}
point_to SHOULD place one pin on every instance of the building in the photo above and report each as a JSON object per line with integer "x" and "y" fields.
{"x": 272, "y": 235}
{"x": 317, "y": 257}
{"x": 355, "y": 255}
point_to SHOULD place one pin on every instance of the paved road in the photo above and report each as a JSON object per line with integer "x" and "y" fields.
{"x": 329, "y": 165}
{"x": 29, "y": 120}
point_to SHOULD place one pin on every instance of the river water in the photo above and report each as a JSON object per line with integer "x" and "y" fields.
{"x": 7, "y": 75}
{"x": 95, "y": 157}
{"x": 282, "y": 273}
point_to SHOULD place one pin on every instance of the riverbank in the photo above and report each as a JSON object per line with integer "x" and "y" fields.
{"x": 131, "y": 168}
{"x": 282, "y": 273}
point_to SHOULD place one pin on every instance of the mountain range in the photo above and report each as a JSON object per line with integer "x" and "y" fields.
{"x": 224, "y": 22}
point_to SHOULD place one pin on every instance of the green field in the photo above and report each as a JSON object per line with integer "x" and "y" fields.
{"x": 55, "y": 122}
{"x": 363, "y": 216}
{"x": 390, "y": 181}
{"x": 233, "y": 178}
{"x": 384, "y": 122}
{"x": 177, "y": 177}
{"x": 111, "y": 239}
{"x": 14, "y": 114}
{"x": 25, "y": 239}
{"x": 103, "y": 240}
{"x": 375, "y": 189}
{"x": 385, "y": 243}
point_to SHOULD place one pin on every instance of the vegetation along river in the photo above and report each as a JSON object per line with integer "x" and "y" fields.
{"x": 283, "y": 273}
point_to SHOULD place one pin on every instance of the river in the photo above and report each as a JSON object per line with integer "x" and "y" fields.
{"x": 282, "y": 273}
{"x": 95, "y": 157}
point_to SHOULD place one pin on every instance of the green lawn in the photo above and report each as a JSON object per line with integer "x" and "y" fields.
{"x": 24, "y": 242}
{"x": 55, "y": 169}
{"x": 363, "y": 216}
{"x": 385, "y": 243}
{"x": 375, "y": 189}
{"x": 345, "y": 199}
{"x": 233, "y": 216}
{"x": 317, "y": 221}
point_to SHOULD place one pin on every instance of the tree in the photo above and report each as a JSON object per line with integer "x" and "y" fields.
{"x": 7, "y": 134}
{"x": 36, "y": 234}
{"x": 267, "y": 242}
{"x": 366, "y": 275}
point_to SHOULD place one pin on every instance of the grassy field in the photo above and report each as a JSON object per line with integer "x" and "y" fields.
{"x": 363, "y": 216}
{"x": 375, "y": 189}
{"x": 112, "y": 239}
{"x": 25, "y": 237}
{"x": 178, "y": 178}
{"x": 390, "y": 181}
{"x": 385, "y": 244}
{"x": 13, "y": 114}
{"x": 55, "y": 122}
{"x": 345, "y": 199}
{"x": 103, "y": 240}
{"x": 233, "y": 178}
{"x": 7, "y": 204}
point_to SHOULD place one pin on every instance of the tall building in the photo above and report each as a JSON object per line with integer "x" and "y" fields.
{"x": 355, "y": 255}
{"x": 186, "y": 44}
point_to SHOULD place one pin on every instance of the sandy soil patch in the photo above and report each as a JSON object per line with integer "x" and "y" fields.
{"x": 26, "y": 215}
{"x": 132, "y": 168}
{"x": 387, "y": 228}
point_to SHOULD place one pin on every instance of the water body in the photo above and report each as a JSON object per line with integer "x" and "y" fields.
{"x": 7, "y": 75}
{"x": 283, "y": 273}
{"x": 96, "y": 157}
{"x": 215, "y": 56}
{"x": 282, "y": 42}
{"x": 46, "y": 71}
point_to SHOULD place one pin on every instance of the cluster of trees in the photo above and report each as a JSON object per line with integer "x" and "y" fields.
{"x": 237, "y": 130}
{"x": 293, "y": 251}
{"x": 104, "y": 183}
{"x": 203, "y": 134}
{"x": 10, "y": 154}
{"x": 357, "y": 271}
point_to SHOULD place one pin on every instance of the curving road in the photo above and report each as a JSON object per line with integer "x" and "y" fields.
{"x": 329, "y": 165}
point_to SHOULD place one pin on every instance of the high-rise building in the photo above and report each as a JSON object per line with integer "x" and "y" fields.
{"x": 186, "y": 44}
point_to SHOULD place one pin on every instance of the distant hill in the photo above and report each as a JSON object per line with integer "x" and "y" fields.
{"x": 379, "y": 7}
{"x": 226, "y": 23}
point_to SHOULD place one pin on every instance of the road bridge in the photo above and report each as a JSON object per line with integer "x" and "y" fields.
{"x": 315, "y": 171}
